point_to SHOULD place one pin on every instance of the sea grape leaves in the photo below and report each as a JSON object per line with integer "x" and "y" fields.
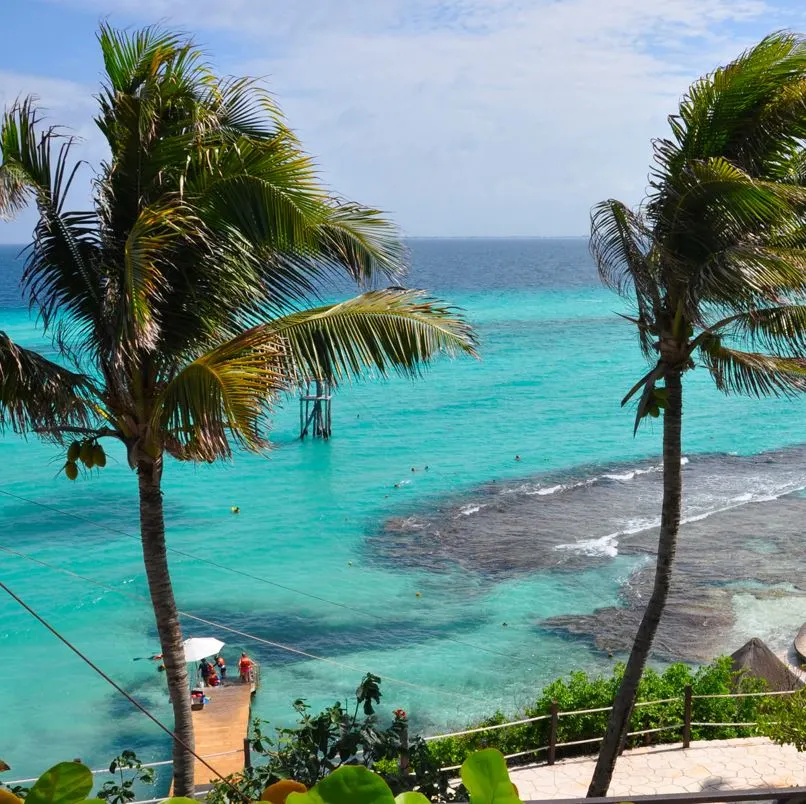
{"x": 350, "y": 784}
{"x": 485, "y": 776}
{"x": 65, "y": 783}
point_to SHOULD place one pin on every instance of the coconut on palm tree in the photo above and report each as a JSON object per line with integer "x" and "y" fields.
{"x": 715, "y": 265}
{"x": 182, "y": 298}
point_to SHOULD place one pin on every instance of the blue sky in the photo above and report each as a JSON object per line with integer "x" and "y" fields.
{"x": 458, "y": 117}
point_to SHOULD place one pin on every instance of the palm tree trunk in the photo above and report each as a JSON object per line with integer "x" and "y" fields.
{"x": 152, "y": 529}
{"x": 619, "y": 721}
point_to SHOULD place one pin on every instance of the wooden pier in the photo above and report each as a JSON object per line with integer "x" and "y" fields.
{"x": 221, "y": 727}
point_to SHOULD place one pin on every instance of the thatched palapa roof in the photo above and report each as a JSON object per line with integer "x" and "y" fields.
{"x": 754, "y": 658}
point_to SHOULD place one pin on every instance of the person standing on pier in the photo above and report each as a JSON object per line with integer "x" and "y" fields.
{"x": 205, "y": 668}
{"x": 245, "y": 668}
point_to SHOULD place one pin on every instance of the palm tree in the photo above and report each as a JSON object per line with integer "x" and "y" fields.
{"x": 182, "y": 298}
{"x": 715, "y": 265}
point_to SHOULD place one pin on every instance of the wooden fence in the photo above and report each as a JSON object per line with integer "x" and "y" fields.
{"x": 555, "y": 714}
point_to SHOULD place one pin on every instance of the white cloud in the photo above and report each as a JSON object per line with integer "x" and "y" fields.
{"x": 517, "y": 129}
{"x": 474, "y": 116}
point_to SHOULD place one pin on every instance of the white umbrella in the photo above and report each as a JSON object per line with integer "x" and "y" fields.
{"x": 198, "y": 648}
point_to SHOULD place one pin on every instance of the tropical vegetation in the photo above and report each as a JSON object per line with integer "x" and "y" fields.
{"x": 714, "y": 263}
{"x": 319, "y": 744}
{"x": 352, "y": 734}
{"x": 783, "y": 720}
{"x": 582, "y": 691}
{"x": 186, "y": 300}
{"x": 484, "y": 776}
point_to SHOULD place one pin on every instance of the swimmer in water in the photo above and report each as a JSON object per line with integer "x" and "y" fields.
{"x": 517, "y": 457}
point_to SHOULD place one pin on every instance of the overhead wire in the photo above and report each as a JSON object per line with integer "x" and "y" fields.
{"x": 252, "y": 576}
{"x": 117, "y": 687}
{"x": 229, "y": 629}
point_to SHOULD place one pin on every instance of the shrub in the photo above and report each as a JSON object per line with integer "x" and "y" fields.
{"x": 580, "y": 691}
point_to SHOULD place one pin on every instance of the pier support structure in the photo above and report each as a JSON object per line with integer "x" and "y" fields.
{"x": 314, "y": 408}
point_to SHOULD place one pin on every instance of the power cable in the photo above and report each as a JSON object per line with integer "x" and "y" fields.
{"x": 221, "y": 626}
{"x": 250, "y": 575}
{"x": 120, "y": 689}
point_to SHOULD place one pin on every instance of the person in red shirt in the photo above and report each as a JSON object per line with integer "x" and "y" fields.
{"x": 245, "y": 668}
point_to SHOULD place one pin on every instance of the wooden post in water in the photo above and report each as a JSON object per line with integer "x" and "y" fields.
{"x": 247, "y": 753}
{"x": 314, "y": 408}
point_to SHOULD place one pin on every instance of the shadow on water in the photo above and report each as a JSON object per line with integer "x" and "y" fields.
{"x": 321, "y": 636}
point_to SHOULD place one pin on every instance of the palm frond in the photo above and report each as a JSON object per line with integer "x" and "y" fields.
{"x": 751, "y": 274}
{"x": 750, "y": 112}
{"x": 782, "y": 327}
{"x": 61, "y": 272}
{"x": 37, "y": 393}
{"x": 647, "y": 387}
{"x": 719, "y": 202}
{"x": 241, "y": 108}
{"x": 222, "y": 397}
{"x": 620, "y": 245}
{"x": 752, "y": 373}
{"x": 135, "y": 58}
{"x": 266, "y": 192}
{"x": 361, "y": 242}
{"x": 385, "y": 330}
{"x": 153, "y": 241}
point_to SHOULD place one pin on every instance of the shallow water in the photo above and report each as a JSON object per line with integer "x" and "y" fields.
{"x": 335, "y": 540}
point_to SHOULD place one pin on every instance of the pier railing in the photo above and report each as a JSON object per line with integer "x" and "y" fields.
{"x": 684, "y": 726}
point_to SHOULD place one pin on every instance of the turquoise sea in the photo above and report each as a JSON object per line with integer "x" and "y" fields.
{"x": 335, "y": 540}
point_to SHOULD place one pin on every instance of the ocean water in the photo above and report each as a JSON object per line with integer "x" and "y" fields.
{"x": 466, "y": 586}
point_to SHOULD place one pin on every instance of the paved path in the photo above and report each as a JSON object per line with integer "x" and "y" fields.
{"x": 708, "y": 765}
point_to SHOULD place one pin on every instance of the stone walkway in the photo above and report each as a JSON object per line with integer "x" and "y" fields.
{"x": 754, "y": 763}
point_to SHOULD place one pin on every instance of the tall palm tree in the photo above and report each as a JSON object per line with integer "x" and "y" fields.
{"x": 182, "y": 298}
{"x": 715, "y": 265}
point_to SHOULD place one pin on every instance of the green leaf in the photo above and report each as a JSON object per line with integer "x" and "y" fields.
{"x": 485, "y": 776}
{"x": 181, "y": 800}
{"x": 65, "y": 783}
{"x": 353, "y": 784}
{"x": 410, "y": 797}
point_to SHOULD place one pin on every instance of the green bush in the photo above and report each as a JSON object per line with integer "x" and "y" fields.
{"x": 783, "y": 720}
{"x": 582, "y": 691}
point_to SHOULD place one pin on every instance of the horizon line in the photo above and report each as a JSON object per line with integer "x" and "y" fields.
{"x": 438, "y": 237}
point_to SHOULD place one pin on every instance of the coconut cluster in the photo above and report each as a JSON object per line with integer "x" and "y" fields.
{"x": 89, "y": 452}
